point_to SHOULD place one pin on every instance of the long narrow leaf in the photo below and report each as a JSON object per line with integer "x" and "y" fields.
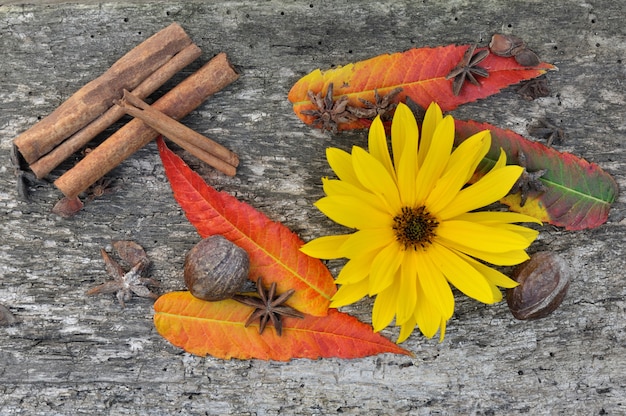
{"x": 217, "y": 328}
{"x": 273, "y": 248}
{"x": 579, "y": 194}
{"x": 421, "y": 73}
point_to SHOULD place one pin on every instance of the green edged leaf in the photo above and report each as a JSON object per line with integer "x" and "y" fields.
{"x": 579, "y": 194}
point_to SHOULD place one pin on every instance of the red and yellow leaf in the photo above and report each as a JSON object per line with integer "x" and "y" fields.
{"x": 217, "y": 328}
{"x": 419, "y": 72}
{"x": 273, "y": 248}
{"x": 579, "y": 194}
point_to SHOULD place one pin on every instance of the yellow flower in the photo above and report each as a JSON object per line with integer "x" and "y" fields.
{"x": 415, "y": 232}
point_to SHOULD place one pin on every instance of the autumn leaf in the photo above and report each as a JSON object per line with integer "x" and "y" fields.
{"x": 217, "y": 328}
{"x": 579, "y": 194}
{"x": 273, "y": 248}
{"x": 419, "y": 72}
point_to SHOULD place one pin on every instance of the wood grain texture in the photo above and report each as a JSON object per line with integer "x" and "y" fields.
{"x": 70, "y": 354}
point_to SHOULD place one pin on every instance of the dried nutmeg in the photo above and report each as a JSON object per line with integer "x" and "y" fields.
{"x": 509, "y": 45}
{"x": 543, "y": 282}
{"x": 527, "y": 57}
{"x": 506, "y": 45}
{"x": 216, "y": 269}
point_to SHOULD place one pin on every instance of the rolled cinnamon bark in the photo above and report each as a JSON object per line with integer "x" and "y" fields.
{"x": 45, "y": 164}
{"x": 97, "y": 96}
{"x": 198, "y": 145}
{"x": 177, "y": 103}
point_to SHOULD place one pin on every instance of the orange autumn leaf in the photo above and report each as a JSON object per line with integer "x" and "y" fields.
{"x": 217, "y": 328}
{"x": 272, "y": 247}
{"x": 419, "y": 72}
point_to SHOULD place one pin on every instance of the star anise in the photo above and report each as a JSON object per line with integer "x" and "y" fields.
{"x": 528, "y": 181}
{"x": 124, "y": 284}
{"x": 381, "y": 106}
{"x": 268, "y": 307}
{"x": 467, "y": 68}
{"x": 534, "y": 88}
{"x": 547, "y": 130}
{"x": 328, "y": 113}
{"x": 100, "y": 188}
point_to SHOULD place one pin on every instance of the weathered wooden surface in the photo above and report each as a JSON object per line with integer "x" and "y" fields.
{"x": 70, "y": 354}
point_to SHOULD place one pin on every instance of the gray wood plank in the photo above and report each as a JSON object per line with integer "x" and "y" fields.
{"x": 70, "y": 354}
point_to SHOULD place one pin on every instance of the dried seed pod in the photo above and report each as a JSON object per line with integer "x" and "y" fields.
{"x": 216, "y": 269}
{"x": 506, "y": 45}
{"x": 527, "y": 57}
{"x": 131, "y": 252}
{"x": 543, "y": 282}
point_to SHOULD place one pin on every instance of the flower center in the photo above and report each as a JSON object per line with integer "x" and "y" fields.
{"x": 414, "y": 227}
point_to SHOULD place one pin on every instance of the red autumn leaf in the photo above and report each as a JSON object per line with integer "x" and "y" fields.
{"x": 273, "y": 248}
{"x": 419, "y": 72}
{"x": 579, "y": 194}
{"x": 217, "y": 328}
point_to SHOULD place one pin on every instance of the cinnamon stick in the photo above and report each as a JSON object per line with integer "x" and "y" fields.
{"x": 97, "y": 96}
{"x": 45, "y": 164}
{"x": 180, "y": 101}
{"x": 198, "y": 145}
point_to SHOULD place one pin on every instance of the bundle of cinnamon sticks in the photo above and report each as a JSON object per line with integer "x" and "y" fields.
{"x": 121, "y": 90}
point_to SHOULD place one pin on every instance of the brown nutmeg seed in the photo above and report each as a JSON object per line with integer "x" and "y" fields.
{"x": 543, "y": 282}
{"x": 527, "y": 57}
{"x": 506, "y": 45}
{"x": 216, "y": 269}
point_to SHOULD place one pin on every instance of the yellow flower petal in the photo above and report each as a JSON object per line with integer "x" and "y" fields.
{"x": 404, "y": 135}
{"x": 328, "y": 247}
{"x": 364, "y": 242}
{"x": 481, "y": 237}
{"x": 457, "y": 172}
{"x": 501, "y": 162}
{"x": 461, "y": 274}
{"x": 528, "y": 233}
{"x": 334, "y": 187}
{"x": 377, "y": 145}
{"x": 340, "y": 162}
{"x": 460, "y": 153}
{"x": 385, "y": 307}
{"x": 509, "y": 258}
{"x": 434, "y": 284}
{"x": 373, "y": 175}
{"x": 352, "y": 212}
{"x": 348, "y": 294}
{"x": 492, "y": 217}
{"x": 406, "y": 329}
{"x": 494, "y": 276}
{"x": 427, "y": 316}
{"x": 442, "y": 330}
{"x": 405, "y": 305}
{"x": 490, "y": 188}
{"x": 384, "y": 268}
{"x": 437, "y": 158}
{"x": 355, "y": 270}
{"x": 432, "y": 118}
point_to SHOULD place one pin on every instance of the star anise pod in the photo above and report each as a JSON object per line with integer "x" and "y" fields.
{"x": 534, "y": 88}
{"x": 329, "y": 114}
{"x": 124, "y": 284}
{"x": 100, "y": 188}
{"x": 528, "y": 181}
{"x": 381, "y": 106}
{"x": 268, "y": 307}
{"x": 548, "y": 130}
{"x": 467, "y": 68}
